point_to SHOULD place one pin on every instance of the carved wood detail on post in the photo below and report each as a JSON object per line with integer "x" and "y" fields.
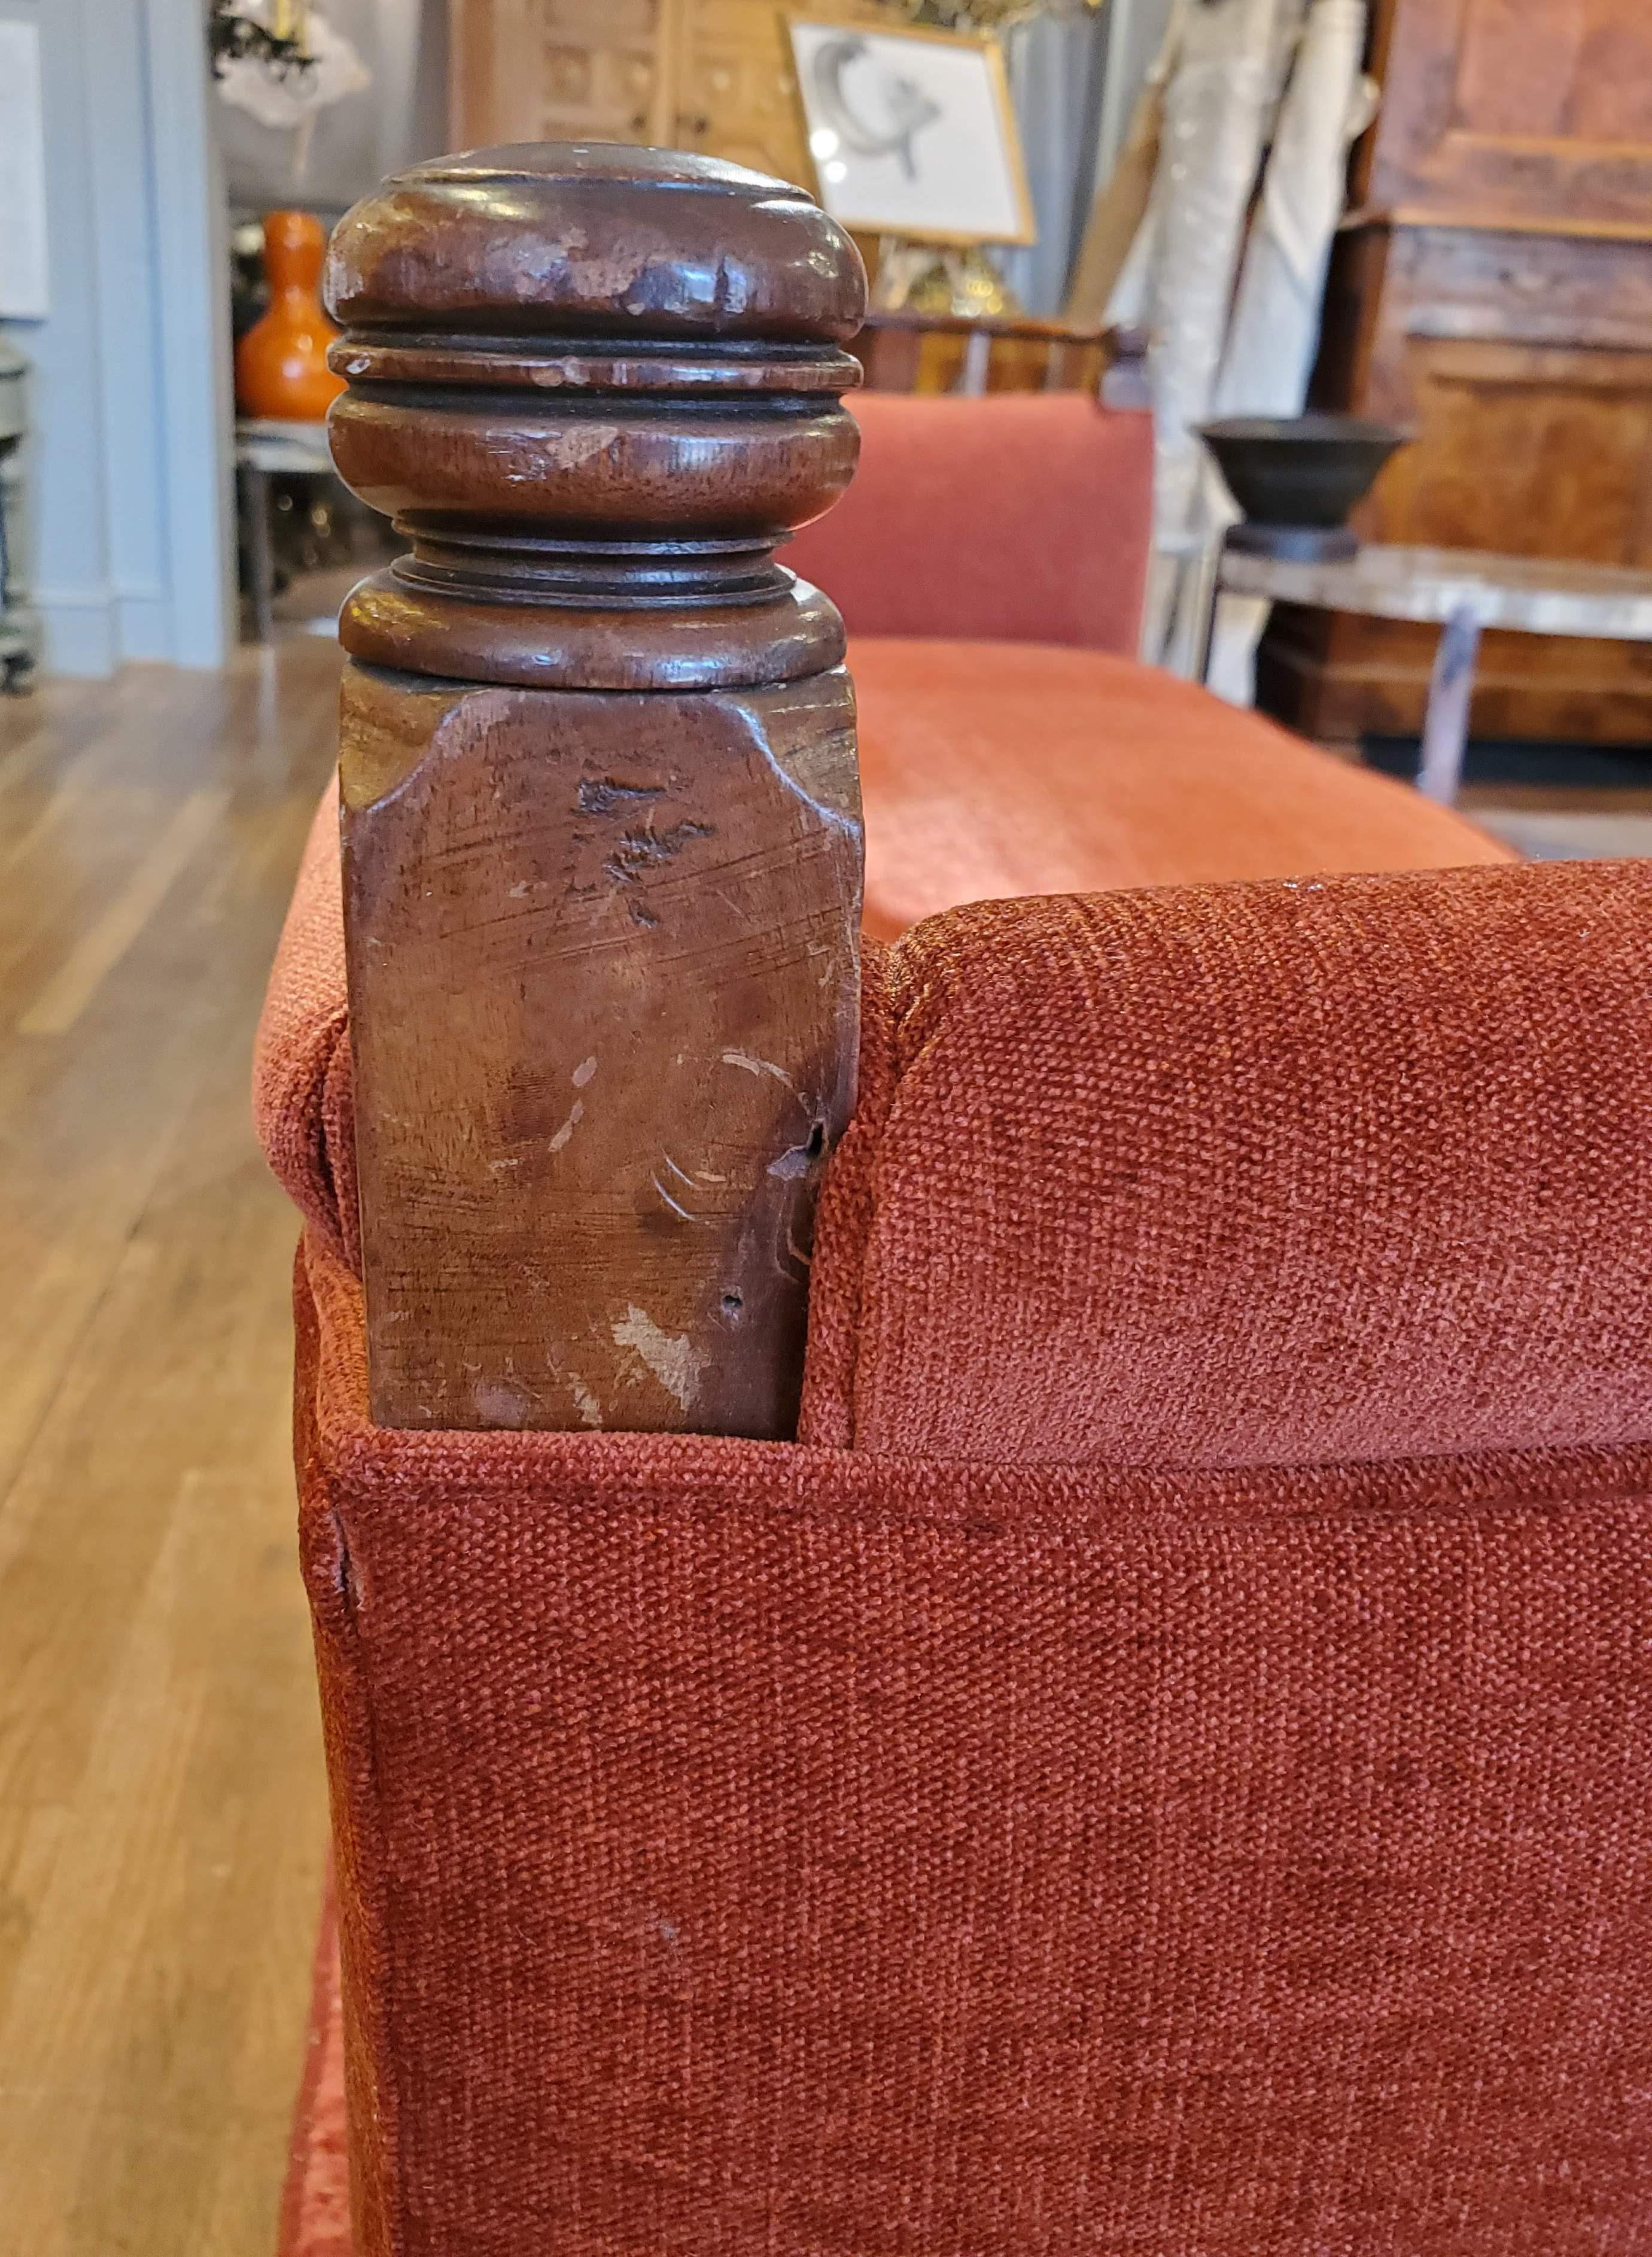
{"x": 601, "y": 812}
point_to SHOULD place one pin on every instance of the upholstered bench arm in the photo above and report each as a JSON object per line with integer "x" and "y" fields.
{"x": 1199, "y": 1175}
{"x": 301, "y": 1097}
{"x": 1350, "y": 1168}
{"x": 746, "y": 1844}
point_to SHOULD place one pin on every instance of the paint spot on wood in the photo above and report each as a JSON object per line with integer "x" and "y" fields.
{"x": 672, "y": 1358}
{"x": 585, "y": 1402}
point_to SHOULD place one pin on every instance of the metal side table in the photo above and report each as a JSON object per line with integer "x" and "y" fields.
{"x": 1464, "y": 591}
{"x": 264, "y": 448}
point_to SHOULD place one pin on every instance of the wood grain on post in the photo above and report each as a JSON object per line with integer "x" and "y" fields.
{"x": 601, "y": 814}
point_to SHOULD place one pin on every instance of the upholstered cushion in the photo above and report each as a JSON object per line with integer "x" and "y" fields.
{"x": 1024, "y": 516}
{"x": 988, "y": 769}
{"x": 745, "y": 1847}
{"x": 1237, "y": 1175}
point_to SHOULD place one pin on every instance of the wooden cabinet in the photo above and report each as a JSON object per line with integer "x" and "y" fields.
{"x": 561, "y": 70}
{"x": 1493, "y": 289}
{"x": 1522, "y": 112}
{"x": 712, "y": 75}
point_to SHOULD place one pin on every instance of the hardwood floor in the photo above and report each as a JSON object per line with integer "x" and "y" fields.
{"x": 162, "y": 1806}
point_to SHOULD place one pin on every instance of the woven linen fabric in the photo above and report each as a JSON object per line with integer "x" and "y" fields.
{"x": 1023, "y": 517}
{"x": 747, "y": 1848}
{"x": 987, "y": 770}
{"x": 993, "y": 770}
{"x": 301, "y": 1088}
{"x": 1240, "y": 1175}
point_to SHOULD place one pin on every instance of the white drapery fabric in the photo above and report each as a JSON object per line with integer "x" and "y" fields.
{"x": 1274, "y": 335}
{"x": 1055, "y": 65}
{"x": 1178, "y": 280}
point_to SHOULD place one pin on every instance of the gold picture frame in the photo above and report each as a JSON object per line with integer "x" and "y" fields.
{"x": 901, "y": 173}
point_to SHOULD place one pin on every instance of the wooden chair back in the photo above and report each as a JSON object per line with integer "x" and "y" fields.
{"x": 974, "y": 354}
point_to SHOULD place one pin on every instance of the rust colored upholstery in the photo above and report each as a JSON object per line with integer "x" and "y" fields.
{"x": 316, "y": 2219}
{"x": 1023, "y": 517}
{"x": 1180, "y": 1778}
{"x": 987, "y": 770}
{"x": 990, "y": 771}
{"x": 301, "y": 1090}
{"x": 1251, "y": 1175}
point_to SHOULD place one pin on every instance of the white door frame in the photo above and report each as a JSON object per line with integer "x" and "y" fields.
{"x": 197, "y": 407}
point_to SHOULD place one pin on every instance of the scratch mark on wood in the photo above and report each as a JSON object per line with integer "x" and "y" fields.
{"x": 750, "y": 1065}
{"x": 644, "y": 850}
{"x": 672, "y": 1203}
{"x": 601, "y": 794}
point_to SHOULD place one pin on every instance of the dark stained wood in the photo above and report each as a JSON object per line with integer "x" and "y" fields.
{"x": 578, "y": 240}
{"x": 1514, "y": 113}
{"x": 602, "y": 834}
{"x": 903, "y": 350}
{"x": 600, "y": 1191}
{"x": 1496, "y": 295}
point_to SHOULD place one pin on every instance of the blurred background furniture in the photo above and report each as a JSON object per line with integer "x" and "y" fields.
{"x": 1013, "y": 517}
{"x": 266, "y": 449}
{"x": 715, "y": 76}
{"x": 905, "y": 350}
{"x": 1465, "y": 593}
{"x": 1493, "y": 288}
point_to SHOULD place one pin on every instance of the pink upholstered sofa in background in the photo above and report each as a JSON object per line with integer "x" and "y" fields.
{"x": 989, "y": 561}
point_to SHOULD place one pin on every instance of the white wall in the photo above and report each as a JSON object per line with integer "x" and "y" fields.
{"x": 127, "y": 475}
{"x": 1074, "y": 79}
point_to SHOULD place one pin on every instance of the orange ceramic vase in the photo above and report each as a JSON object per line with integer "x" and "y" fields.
{"x": 280, "y": 364}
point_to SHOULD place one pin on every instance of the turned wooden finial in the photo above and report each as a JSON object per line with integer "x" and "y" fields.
{"x": 601, "y": 817}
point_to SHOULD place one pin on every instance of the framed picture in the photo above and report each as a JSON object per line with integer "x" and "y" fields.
{"x": 912, "y": 133}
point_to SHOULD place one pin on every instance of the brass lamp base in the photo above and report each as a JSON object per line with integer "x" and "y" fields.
{"x": 928, "y": 278}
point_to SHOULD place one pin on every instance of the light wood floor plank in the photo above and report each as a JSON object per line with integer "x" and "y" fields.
{"x": 162, "y": 1806}
{"x": 100, "y": 947}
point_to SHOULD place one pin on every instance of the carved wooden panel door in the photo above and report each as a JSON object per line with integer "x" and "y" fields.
{"x": 737, "y": 88}
{"x": 554, "y": 70}
{"x": 1519, "y": 112}
{"x": 713, "y": 75}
